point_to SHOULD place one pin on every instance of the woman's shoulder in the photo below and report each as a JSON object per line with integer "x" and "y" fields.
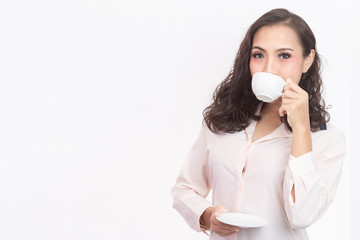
{"x": 329, "y": 142}
{"x": 330, "y": 136}
{"x": 211, "y": 134}
{"x": 328, "y": 129}
{"x": 207, "y": 131}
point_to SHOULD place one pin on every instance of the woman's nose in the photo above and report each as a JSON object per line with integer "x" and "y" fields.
{"x": 270, "y": 66}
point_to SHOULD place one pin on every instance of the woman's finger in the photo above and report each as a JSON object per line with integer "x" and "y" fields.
{"x": 218, "y": 227}
{"x": 225, "y": 231}
{"x": 282, "y": 110}
{"x": 290, "y": 94}
{"x": 290, "y": 85}
{"x": 294, "y": 88}
{"x": 225, "y": 227}
{"x": 222, "y": 226}
{"x": 223, "y": 234}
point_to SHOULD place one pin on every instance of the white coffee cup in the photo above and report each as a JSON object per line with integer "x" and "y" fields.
{"x": 267, "y": 87}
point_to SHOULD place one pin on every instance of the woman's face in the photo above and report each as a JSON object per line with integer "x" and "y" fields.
{"x": 276, "y": 49}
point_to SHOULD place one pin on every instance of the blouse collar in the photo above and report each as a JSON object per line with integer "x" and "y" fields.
{"x": 279, "y": 132}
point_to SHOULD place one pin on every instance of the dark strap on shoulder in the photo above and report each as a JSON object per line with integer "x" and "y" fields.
{"x": 323, "y": 126}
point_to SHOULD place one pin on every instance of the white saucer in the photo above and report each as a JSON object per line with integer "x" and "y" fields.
{"x": 241, "y": 220}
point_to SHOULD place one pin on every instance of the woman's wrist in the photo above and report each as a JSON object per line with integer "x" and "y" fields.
{"x": 205, "y": 218}
{"x": 301, "y": 142}
{"x": 301, "y": 128}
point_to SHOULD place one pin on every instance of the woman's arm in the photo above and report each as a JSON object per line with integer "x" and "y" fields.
{"x": 301, "y": 144}
{"x": 192, "y": 187}
{"x": 295, "y": 105}
{"x": 313, "y": 174}
{"x": 193, "y": 184}
{"x": 311, "y": 180}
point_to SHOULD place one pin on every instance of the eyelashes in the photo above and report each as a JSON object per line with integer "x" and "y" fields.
{"x": 280, "y": 56}
{"x": 257, "y": 55}
{"x": 284, "y": 56}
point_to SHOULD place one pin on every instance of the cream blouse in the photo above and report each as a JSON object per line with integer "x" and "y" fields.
{"x": 257, "y": 178}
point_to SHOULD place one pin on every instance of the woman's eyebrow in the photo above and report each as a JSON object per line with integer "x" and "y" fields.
{"x": 277, "y": 50}
{"x": 257, "y": 47}
{"x": 284, "y": 49}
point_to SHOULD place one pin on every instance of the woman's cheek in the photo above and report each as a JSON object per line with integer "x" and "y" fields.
{"x": 291, "y": 69}
{"x": 255, "y": 66}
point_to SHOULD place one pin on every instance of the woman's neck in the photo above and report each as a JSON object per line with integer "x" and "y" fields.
{"x": 270, "y": 111}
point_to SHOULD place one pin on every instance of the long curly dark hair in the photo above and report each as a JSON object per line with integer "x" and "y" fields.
{"x": 234, "y": 103}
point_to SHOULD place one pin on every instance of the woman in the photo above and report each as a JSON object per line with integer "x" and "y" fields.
{"x": 279, "y": 160}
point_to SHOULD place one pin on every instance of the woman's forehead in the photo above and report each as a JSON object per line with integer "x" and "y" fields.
{"x": 276, "y": 36}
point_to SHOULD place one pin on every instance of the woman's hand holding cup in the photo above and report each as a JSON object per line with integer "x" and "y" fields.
{"x": 295, "y": 105}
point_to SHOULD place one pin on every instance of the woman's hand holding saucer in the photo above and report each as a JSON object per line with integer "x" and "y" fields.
{"x": 218, "y": 227}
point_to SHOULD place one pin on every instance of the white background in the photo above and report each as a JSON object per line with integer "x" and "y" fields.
{"x": 101, "y": 100}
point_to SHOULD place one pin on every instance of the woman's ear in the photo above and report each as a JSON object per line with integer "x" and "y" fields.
{"x": 309, "y": 61}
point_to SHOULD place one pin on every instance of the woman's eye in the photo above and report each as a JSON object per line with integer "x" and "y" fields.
{"x": 284, "y": 56}
{"x": 257, "y": 55}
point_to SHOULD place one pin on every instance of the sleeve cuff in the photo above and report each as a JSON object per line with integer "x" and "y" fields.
{"x": 200, "y": 210}
{"x": 301, "y": 165}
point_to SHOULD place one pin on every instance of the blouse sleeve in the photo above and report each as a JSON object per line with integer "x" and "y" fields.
{"x": 193, "y": 185}
{"x": 315, "y": 177}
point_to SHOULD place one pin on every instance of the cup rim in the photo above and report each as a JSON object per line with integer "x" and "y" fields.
{"x": 268, "y": 74}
